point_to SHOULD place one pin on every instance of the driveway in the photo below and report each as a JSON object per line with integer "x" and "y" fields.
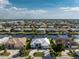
{"x": 47, "y": 55}
{"x": 12, "y": 52}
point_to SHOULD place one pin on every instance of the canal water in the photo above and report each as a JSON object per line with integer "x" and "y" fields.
{"x": 39, "y": 36}
{"x": 42, "y": 36}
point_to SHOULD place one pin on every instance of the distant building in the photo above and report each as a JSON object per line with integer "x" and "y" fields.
{"x": 40, "y": 43}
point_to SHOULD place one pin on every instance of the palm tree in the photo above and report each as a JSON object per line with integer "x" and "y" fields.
{"x": 5, "y": 50}
{"x": 22, "y": 51}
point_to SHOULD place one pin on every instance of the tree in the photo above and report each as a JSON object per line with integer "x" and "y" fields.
{"x": 28, "y": 45}
{"x": 58, "y": 47}
{"x": 22, "y": 51}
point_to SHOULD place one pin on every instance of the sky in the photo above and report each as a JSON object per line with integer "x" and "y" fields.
{"x": 39, "y": 9}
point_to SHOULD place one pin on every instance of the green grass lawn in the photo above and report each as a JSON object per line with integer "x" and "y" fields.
{"x": 38, "y": 54}
{"x": 24, "y": 32}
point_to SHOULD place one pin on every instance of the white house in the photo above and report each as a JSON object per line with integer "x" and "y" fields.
{"x": 42, "y": 43}
{"x": 4, "y": 40}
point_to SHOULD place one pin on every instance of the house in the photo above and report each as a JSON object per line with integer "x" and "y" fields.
{"x": 41, "y": 30}
{"x": 7, "y": 29}
{"x": 1, "y": 28}
{"x": 3, "y": 40}
{"x": 17, "y": 29}
{"x": 72, "y": 43}
{"x": 28, "y": 29}
{"x": 15, "y": 43}
{"x": 41, "y": 43}
{"x": 76, "y": 39}
{"x": 51, "y": 30}
{"x": 75, "y": 28}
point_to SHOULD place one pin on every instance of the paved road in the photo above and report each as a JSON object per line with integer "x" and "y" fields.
{"x": 47, "y": 55}
{"x": 1, "y": 57}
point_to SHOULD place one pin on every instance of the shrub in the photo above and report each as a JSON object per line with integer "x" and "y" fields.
{"x": 58, "y": 48}
{"x": 54, "y": 54}
{"x": 24, "y": 52}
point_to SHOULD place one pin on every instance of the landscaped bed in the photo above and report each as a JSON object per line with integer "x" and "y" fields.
{"x": 5, "y": 54}
{"x": 38, "y": 54}
{"x": 55, "y": 54}
{"x": 24, "y": 52}
{"x": 24, "y": 32}
{"x": 73, "y": 54}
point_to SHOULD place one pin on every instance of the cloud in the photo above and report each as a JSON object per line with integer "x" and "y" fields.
{"x": 4, "y": 3}
{"x": 13, "y": 12}
{"x": 16, "y": 13}
{"x": 20, "y": 13}
{"x": 70, "y": 9}
{"x": 25, "y": 13}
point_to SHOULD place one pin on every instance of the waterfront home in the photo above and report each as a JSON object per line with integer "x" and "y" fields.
{"x": 43, "y": 25}
{"x": 27, "y": 29}
{"x": 51, "y": 30}
{"x": 7, "y": 29}
{"x": 41, "y": 30}
{"x": 40, "y": 43}
{"x": 72, "y": 42}
{"x": 75, "y": 28}
{"x": 3, "y": 40}
{"x": 15, "y": 43}
{"x": 18, "y": 29}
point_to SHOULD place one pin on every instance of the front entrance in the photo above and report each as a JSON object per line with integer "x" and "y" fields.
{"x": 38, "y": 46}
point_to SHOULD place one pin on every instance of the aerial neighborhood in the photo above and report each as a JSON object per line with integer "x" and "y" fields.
{"x": 39, "y": 39}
